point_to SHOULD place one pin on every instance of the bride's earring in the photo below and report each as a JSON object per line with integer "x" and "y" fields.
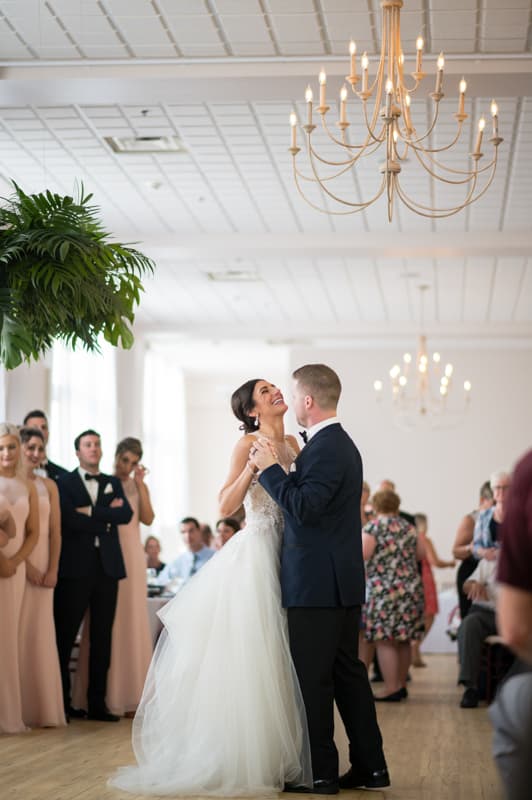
{"x": 257, "y": 421}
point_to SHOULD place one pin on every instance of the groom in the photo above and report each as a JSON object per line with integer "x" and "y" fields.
{"x": 323, "y": 583}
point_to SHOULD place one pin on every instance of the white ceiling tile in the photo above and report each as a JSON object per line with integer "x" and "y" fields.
{"x": 296, "y": 28}
{"x": 197, "y": 29}
{"x": 246, "y": 28}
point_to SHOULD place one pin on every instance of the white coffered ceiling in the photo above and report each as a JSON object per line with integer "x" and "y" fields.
{"x": 224, "y": 75}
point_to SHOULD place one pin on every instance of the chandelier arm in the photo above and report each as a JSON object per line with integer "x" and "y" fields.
{"x": 430, "y": 128}
{"x": 415, "y": 142}
{"x": 371, "y": 127}
{"x": 468, "y": 173}
{"x": 348, "y": 146}
{"x": 442, "y": 213}
{"x": 323, "y": 180}
{"x": 359, "y": 206}
{"x": 346, "y": 164}
{"x": 339, "y": 199}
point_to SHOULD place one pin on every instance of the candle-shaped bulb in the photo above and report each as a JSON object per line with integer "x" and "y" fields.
{"x": 494, "y": 108}
{"x": 408, "y": 100}
{"x": 365, "y": 61}
{"x": 439, "y": 74}
{"x": 462, "y": 86}
{"x": 322, "y": 78}
{"x": 481, "y": 124}
{"x": 389, "y": 86}
{"x": 293, "y": 129}
{"x": 352, "y": 48}
{"x": 419, "y": 52}
{"x": 441, "y": 62}
{"x": 323, "y": 85}
{"x": 495, "y": 115}
{"x": 395, "y": 135}
{"x": 467, "y": 386}
{"x": 365, "y": 64}
{"x": 343, "y": 93}
{"x": 377, "y": 385}
{"x": 308, "y": 98}
{"x": 401, "y": 59}
{"x": 352, "y": 53}
{"x": 308, "y": 95}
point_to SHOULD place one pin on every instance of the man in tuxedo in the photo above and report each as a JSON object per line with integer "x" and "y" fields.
{"x": 323, "y": 582}
{"x": 37, "y": 419}
{"x": 90, "y": 566}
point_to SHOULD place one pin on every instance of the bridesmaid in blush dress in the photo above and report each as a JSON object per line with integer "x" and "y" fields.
{"x": 131, "y": 649}
{"x": 19, "y": 498}
{"x": 40, "y": 679}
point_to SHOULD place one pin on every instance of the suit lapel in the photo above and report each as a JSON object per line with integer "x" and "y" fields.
{"x": 315, "y": 437}
{"x": 81, "y": 486}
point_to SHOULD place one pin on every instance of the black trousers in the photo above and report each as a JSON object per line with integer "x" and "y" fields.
{"x": 466, "y": 568}
{"x": 72, "y": 597}
{"x": 324, "y": 647}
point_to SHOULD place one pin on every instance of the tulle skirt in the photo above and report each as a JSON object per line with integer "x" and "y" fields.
{"x": 221, "y": 712}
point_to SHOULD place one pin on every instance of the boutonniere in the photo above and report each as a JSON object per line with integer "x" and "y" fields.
{"x": 293, "y": 467}
{"x": 108, "y": 489}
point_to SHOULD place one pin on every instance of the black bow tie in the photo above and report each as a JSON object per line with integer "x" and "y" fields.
{"x": 304, "y": 436}
{"x": 89, "y": 477}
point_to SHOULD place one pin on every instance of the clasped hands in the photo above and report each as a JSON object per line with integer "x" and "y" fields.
{"x": 262, "y": 455}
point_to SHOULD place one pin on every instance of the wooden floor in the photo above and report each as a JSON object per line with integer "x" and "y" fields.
{"x": 435, "y": 750}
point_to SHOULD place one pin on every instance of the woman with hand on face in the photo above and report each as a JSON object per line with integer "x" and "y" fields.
{"x": 40, "y": 679}
{"x": 131, "y": 648}
{"x": 18, "y": 498}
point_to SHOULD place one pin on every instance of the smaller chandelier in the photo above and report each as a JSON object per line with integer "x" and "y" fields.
{"x": 388, "y": 124}
{"x": 423, "y": 389}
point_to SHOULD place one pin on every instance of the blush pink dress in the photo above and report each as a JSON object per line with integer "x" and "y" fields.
{"x": 14, "y": 498}
{"x": 40, "y": 679}
{"x": 131, "y": 648}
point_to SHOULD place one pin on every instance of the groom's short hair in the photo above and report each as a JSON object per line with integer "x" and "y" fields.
{"x": 321, "y": 382}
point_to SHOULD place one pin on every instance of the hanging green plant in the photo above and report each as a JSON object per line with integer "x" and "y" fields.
{"x": 61, "y": 279}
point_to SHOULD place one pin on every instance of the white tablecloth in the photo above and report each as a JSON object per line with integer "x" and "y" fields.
{"x": 154, "y": 604}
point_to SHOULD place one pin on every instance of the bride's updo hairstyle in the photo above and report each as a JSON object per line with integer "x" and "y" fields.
{"x": 242, "y": 403}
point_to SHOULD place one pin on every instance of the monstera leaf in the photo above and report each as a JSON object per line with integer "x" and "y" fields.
{"x": 60, "y": 277}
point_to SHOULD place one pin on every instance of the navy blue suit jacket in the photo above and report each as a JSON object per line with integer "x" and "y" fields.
{"x": 321, "y": 557}
{"x": 79, "y": 531}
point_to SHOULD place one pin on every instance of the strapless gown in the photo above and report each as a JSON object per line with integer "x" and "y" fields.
{"x": 221, "y": 712}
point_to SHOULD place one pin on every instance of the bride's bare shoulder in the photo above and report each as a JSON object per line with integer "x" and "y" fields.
{"x": 292, "y": 441}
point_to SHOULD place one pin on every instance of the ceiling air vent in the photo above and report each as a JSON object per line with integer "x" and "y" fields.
{"x": 145, "y": 144}
{"x": 234, "y": 275}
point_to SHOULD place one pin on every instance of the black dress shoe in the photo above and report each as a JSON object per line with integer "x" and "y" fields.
{"x": 470, "y": 698}
{"x": 102, "y": 715}
{"x": 76, "y": 713}
{"x": 394, "y": 697}
{"x": 320, "y": 787}
{"x": 378, "y": 779}
{"x": 403, "y": 691}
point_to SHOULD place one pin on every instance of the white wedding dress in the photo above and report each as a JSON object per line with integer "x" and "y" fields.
{"x": 221, "y": 712}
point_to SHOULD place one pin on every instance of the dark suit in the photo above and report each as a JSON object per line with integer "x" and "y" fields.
{"x": 323, "y": 587}
{"x": 54, "y": 471}
{"x": 90, "y": 567}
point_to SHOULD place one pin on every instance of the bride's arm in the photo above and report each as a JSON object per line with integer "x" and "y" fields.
{"x": 240, "y": 476}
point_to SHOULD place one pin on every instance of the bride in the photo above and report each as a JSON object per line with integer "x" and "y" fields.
{"x": 221, "y": 712}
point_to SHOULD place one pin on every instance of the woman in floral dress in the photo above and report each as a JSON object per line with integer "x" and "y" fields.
{"x": 394, "y": 593}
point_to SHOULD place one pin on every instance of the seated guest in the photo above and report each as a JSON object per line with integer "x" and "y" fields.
{"x": 47, "y": 469}
{"x": 463, "y": 545}
{"x": 486, "y": 534}
{"x": 207, "y": 534}
{"x": 195, "y": 556}
{"x": 511, "y": 713}
{"x": 225, "y": 528}
{"x": 152, "y": 548}
{"x": 479, "y": 623}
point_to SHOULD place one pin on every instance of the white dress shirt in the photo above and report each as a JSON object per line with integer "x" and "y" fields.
{"x": 183, "y": 564}
{"x": 313, "y": 430}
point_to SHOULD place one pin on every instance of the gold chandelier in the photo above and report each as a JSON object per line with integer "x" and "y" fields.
{"x": 388, "y": 123}
{"x": 423, "y": 386}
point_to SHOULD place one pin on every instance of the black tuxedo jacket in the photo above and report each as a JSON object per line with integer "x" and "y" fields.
{"x": 321, "y": 556}
{"x": 54, "y": 471}
{"x": 79, "y": 531}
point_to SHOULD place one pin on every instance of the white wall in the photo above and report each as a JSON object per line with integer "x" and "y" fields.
{"x": 437, "y": 472}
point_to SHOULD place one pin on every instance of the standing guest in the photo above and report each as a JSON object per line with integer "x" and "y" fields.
{"x": 394, "y": 602}
{"x": 90, "y": 566}
{"x": 389, "y": 486}
{"x": 40, "y": 678}
{"x": 225, "y": 528}
{"x": 152, "y": 549}
{"x": 207, "y": 534}
{"x": 131, "y": 648}
{"x": 486, "y": 538}
{"x": 366, "y": 511}
{"x": 463, "y": 544}
{"x": 37, "y": 419}
{"x": 511, "y": 713}
{"x": 18, "y": 498}
{"x": 195, "y": 556}
{"x": 431, "y": 559}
